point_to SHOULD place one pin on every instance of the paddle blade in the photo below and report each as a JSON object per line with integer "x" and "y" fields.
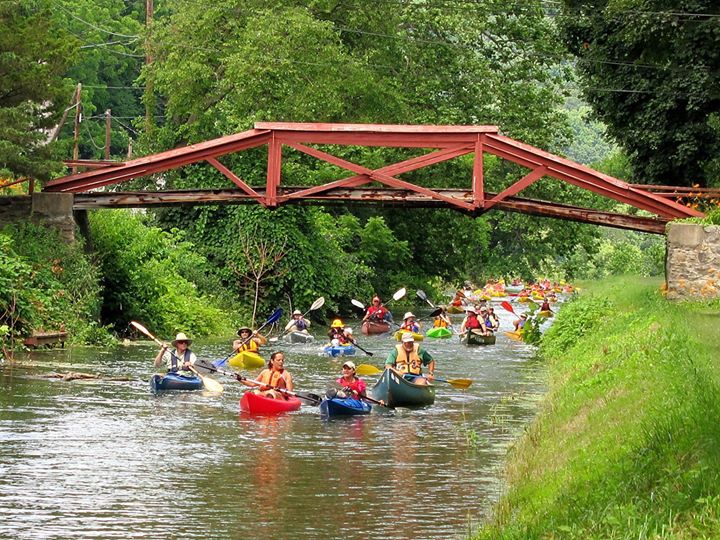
{"x": 435, "y": 312}
{"x": 317, "y": 304}
{"x": 399, "y": 294}
{"x": 357, "y": 303}
{"x": 367, "y": 369}
{"x": 421, "y": 295}
{"x": 212, "y": 385}
{"x": 460, "y": 383}
{"x": 274, "y": 317}
{"x": 508, "y": 307}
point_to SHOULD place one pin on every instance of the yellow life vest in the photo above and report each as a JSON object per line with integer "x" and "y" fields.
{"x": 440, "y": 323}
{"x": 250, "y": 346}
{"x": 408, "y": 363}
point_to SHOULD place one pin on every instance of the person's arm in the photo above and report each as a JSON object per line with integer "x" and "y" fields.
{"x": 289, "y": 325}
{"x": 192, "y": 358}
{"x": 287, "y": 381}
{"x": 259, "y": 339}
{"x": 391, "y": 359}
{"x": 159, "y": 358}
{"x": 362, "y": 388}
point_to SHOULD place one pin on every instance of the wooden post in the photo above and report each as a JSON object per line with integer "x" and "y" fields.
{"x": 76, "y": 130}
{"x": 107, "y": 134}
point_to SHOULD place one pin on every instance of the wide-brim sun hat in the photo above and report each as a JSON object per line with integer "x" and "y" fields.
{"x": 408, "y": 315}
{"x": 242, "y": 329}
{"x": 297, "y": 312}
{"x": 181, "y": 337}
{"x": 470, "y": 309}
{"x": 407, "y": 337}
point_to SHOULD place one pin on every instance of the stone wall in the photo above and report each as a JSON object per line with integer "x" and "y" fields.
{"x": 692, "y": 267}
{"x": 54, "y": 209}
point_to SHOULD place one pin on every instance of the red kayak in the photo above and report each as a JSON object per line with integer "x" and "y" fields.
{"x": 375, "y": 327}
{"x": 257, "y": 404}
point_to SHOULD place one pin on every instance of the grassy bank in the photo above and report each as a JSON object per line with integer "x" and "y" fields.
{"x": 627, "y": 443}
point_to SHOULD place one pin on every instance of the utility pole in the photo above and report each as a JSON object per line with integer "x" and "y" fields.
{"x": 76, "y": 130}
{"x": 149, "y": 100}
{"x": 107, "y": 134}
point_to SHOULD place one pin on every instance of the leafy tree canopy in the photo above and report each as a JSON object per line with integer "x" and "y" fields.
{"x": 649, "y": 69}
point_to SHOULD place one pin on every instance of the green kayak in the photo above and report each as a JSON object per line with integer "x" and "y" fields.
{"x": 472, "y": 338}
{"x": 439, "y": 333}
{"x": 396, "y": 391}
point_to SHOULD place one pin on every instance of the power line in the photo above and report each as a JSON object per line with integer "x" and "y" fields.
{"x": 93, "y": 25}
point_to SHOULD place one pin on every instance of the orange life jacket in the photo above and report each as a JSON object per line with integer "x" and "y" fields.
{"x": 271, "y": 378}
{"x": 408, "y": 363}
{"x": 440, "y": 323}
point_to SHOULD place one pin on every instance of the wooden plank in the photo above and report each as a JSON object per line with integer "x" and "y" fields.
{"x": 372, "y": 128}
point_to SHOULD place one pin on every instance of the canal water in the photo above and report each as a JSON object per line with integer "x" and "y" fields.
{"x": 108, "y": 459}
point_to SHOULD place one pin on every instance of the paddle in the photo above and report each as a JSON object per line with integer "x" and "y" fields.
{"x": 337, "y": 387}
{"x": 397, "y": 296}
{"x": 367, "y": 369}
{"x": 273, "y": 318}
{"x": 508, "y": 307}
{"x": 422, "y": 296}
{"x": 317, "y": 304}
{"x": 313, "y": 399}
{"x": 211, "y": 384}
{"x": 359, "y": 347}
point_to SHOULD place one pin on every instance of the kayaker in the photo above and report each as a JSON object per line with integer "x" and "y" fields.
{"x": 546, "y": 305}
{"x": 409, "y": 323}
{"x": 352, "y": 385}
{"x": 443, "y": 319}
{"x": 249, "y": 340}
{"x": 298, "y": 323}
{"x": 337, "y": 331}
{"x": 519, "y": 324}
{"x": 347, "y": 338}
{"x": 179, "y": 360}
{"x": 377, "y": 312}
{"x": 272, "y": 377}
{"x": 409, "y": 357}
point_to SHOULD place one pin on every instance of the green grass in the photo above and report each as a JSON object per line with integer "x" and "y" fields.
{"x": 627, "y": 441}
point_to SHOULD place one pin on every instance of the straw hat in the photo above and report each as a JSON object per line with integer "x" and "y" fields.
{"x": 181, "y": 337}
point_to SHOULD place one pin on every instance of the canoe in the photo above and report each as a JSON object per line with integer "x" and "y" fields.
{"x": 339, "y": 350}
{"x": 344, "y": 407}
{"x": 439, "y": 333}
{"x": 173, "y": 381}
{"x": 298, "y": 337}
{"x": 397, "y": 391}
{"x": 257, "y": 404}
{"x": 471, "y": 338}
{"x": 399, "y": 333}
{"x": 375, "y": 327}
{"x": 247, "y": 360}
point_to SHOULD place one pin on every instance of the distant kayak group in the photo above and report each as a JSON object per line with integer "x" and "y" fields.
{"x": 407, "y": 380}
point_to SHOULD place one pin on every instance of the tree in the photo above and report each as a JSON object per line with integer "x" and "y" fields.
{"x": 649, "y": 69}
{"x": 35, "y": 53}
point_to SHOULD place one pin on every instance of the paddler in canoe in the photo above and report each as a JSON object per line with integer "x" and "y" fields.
{"x": 179, "y": 360}
{"x": 249, "y": 341}
{"x": 273, "y": 376}
{"x": 493, "y": 318}
{"x": 298, "y": 323}
{"x": 377, "y": 312}
{"x": 409, "y": 358}
{"x": 473, "y": 322}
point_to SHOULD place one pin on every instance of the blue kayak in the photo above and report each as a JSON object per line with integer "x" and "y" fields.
{"x": 173, "y": 381}
{"x": 344, "y": 407}
{"x": 339, "y": 350}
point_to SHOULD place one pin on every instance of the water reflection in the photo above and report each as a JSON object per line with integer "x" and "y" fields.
{"x": 99, "y": 459}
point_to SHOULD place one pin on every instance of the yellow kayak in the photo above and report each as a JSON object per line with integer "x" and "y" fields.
{"x": 517, "y": 336}
{"x": 247, "y": 360}
{"x": 547, "y": 314}
{"x": 418, "y": 337}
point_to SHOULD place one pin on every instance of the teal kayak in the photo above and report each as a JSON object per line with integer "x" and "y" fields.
{"x": 439, "y": 333}
{"x": 397, "y": 391}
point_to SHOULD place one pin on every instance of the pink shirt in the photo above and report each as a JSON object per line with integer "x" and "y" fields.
{"x": 357, "y": 385}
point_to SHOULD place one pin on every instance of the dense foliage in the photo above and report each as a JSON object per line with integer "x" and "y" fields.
{"x": 154, "y": 277}
{"x": 35, "y": 53}
{"x": 649, "y": 69}
{"x": 626, "y": 445}
{"x": 47, "y": 284}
